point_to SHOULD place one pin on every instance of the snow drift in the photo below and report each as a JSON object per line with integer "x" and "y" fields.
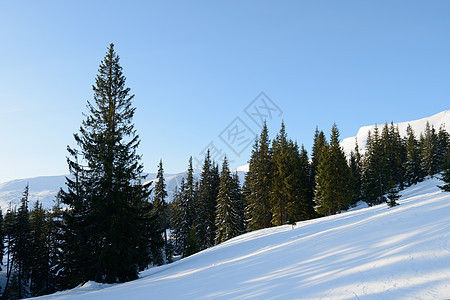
{"x": 374, "y": 252}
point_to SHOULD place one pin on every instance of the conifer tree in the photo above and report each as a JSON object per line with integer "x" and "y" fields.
{"x": 21, "y": 249}
{"x": 356, "y": 172}
{"x": 160, "y": 209}
{"x": 413, "y": 169}
{"x": 373, "y": 185}
{"x": 207, "y": 195}
{"x": 258, "y": 182}
{"x": 319, "y": 146}
{"x": 40, "y": 267}
{"x": 108, "y": 226}
{"x": 282, "y": 193}
{"x": 430, "y": 154}
{"x": 228, "y": 218}
{"x": 393, "y": 193}
{"x": 333, "y": 182}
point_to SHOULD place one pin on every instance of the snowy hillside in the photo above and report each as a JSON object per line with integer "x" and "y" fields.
{"x": 374, "y": 253}
{"x": 438, "y": 120}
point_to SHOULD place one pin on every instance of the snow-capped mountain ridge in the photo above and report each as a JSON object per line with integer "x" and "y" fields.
{"x": 437, "y": 120}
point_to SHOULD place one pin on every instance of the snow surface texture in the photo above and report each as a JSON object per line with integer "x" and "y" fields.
{"x": 371, "y": 253}
{"x": 45, "y": 189}
{"x": 438, "y": 120}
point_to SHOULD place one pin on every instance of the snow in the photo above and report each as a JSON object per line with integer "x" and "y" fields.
{"x": 372, "y": 253}
{"x": 438, "y": 120}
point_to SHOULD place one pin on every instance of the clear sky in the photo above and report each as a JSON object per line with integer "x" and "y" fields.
{"x": 195, "y": 66}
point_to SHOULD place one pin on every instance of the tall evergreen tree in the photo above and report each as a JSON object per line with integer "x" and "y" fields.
{"x": 228, "y": 218}
{"x": 160, "y": 209}
{"x": 108, "y": 226}
{"x": 356, "y": 172}
{"x": 40, "y": 267}
{"x": 413, "y": 169}
{"x": 258, "y": 182}
{"x": 373, "y": 184}
{"x": 333, "y": 182}
{"x": 430, "y": 153}
{"x": 207, "y": 195}
{"x": 319, "y": 146}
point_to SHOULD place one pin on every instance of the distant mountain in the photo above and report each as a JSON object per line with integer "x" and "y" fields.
{"x": 45, "y": 188}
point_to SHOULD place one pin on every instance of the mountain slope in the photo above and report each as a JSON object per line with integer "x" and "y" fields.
{"x": 375, "y": 252}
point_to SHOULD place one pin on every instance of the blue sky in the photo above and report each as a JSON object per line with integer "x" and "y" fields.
{"x": 195, "y": 66}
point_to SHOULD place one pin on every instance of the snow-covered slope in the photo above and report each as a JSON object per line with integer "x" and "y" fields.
{"x": 438, "y": 120}
{"x": 370, "y": 253}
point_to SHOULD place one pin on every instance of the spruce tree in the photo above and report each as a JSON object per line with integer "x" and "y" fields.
{"x": 228, "y": 218}
{"x": 258, "y": 182}
{"x": 413, "y": 169}
{"x": 207, "y": 195}
{"x": 356, "y": 172}
{"x": 40, "y": 267}
{"x": 430, "y": 154}
{"x": 108, "y": 226}
{"x": 160, "y": 210}
{"x": 373, "y": 184}
{"x": 334, "y": 182}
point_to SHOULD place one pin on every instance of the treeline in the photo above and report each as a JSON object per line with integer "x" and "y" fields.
{"x": 30, "y": 245}
{"x": 285, "y": 185}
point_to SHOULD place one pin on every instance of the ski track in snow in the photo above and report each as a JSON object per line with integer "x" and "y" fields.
{"x": 371, "y": 253}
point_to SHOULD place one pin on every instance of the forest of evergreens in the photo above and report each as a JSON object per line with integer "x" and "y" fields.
{"x": 107, "y": 225}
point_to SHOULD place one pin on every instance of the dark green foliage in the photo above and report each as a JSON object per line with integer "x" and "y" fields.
{"x": 319, "y": 145}
{"x": 229, "y": 220}
{"x": 291, "y": 196}
{"x": 430, "y": 151}
{"x": 160, "y": 211}
{"x": 393, "y": 194}
{"x": 207, "y": 201}
{"x": 258, "y": 183}
{"x": 413, "y": 170}
{"x": 333, "y": 181}
{"x": 446, "y": 173}
{"x": 356, "y": 171}
{"x": 109, "y": 230}
{"x": 373, "y": 185}
{"x": 183, "y": 216}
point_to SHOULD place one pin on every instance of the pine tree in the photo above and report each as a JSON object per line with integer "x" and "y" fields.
{"x": 21, "y": 249}
{"x": 430, "y": 154}
{"x": 108, "y": 226}
{"x": 356, "y": 172}
{"x": 413, "y": 170}
{"x": 333, "y": 182}
{"x": 10, "y": 239}
{"x": 258, "y": 182}
{"x": 319, "y": 145}
{"x": 160, "y": 210}
{"x": 374, "y": 169}
{"x": 228, "y": 218}
{"x": 40, "y": 267}
{"x": 393, "y": 194}
{"x": 184, "y": 215}
{"x": 207, "y": 195}
{"x": 282, "y": 193}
